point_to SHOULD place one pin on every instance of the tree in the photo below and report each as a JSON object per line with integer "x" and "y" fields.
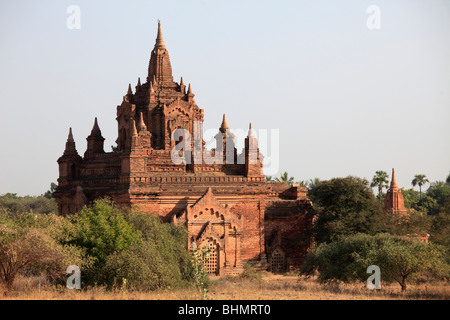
{"x": 313, "y": 183}
{"x": 102, "y": 229}
{"x": 284, "y": 177}
{"x": 160, "y": 260}
{"x": 16, "y": 205}
{"x": 440, "y": 193}
{"x": 420, "y": 180}
{"x": 380, "y": 180}
{"x": 269, "y": 178}
{"x": 303, "y": 183}
{"x": 440, "y": 228}
{"x": 399, "y": 259}
{"x": 48, "y": 193}
{"x": 448, "y": 179}
{"x": 31, "y": 243}
{"x": 345, "y": 206}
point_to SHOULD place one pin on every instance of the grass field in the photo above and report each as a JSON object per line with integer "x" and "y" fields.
{"x": 265, "y": 287}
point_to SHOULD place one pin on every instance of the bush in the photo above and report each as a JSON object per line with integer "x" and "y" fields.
{"x": 131, "y": 247}
{"x": 399, "y": 258}
{"x": 345, "y": 206}
{"x": 250, "y": 273}
{"x": 15, "y": 205}
{"x": 160, "y": 260}
{"x": 30, "y": 244}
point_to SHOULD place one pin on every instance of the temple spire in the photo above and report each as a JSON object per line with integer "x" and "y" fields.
{"x": 250, "y": 131}
{"x": 159, "y": 69}
{"x": 94, "y": 141}
{"x": 393, "y": 181}
{"x": 96, "y": 129}
{"x": 70, "y": 137}
{"x": 70, "y": 145}
{"x": 182, "y": 86}
{"x": 129, "y": 92}
{"x": 224, "y": 126}
{"x": 190, "y": 93}
{"x": 159, "y": 38}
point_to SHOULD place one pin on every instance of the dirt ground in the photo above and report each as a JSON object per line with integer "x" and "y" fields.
{"x": 266, "y": 286}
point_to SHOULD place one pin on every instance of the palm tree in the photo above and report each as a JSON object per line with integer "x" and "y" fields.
{"x": 313, "y": 183}
{"x": 303, "y": 183}
{"x": 420, "y": 180}
{"x": 284, "y": 177}
{"x": 380, "y": 180}
{"x": 269, "y": 178}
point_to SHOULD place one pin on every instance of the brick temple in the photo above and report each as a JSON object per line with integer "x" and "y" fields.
{"x": 227, "y": 206}
{"x": 394, "y": 204}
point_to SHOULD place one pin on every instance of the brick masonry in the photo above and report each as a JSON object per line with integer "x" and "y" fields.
{"x": 229, "y": 206}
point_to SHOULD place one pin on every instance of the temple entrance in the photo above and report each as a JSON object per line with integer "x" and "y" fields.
{"x": 212, "y": 265}
{"x": 277, "y": 261}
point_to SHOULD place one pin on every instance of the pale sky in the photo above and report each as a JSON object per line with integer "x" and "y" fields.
{"x": 346, "y": 100}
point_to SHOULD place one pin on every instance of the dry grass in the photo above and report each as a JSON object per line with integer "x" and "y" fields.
{"x": 267, "y": 287}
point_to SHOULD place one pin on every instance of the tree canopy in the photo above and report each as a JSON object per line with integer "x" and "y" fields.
{"x": 344, "y": 206}
{"x": 398, "y": 257}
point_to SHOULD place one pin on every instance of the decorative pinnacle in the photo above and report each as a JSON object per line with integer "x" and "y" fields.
{"x": 152, "y": 91}
{"x": 70, "y": 137}
{"x": 224, "y": 126}
{"x": 159, "y": 38}
{"x": 141, "y": 125}
{"x": 96, "y": 133}
{"x": 129, "y": 89}
{"x": 139, "y": 82}
{"x": 250, "y": 131}
{"x": 190, "y": 93}
{"x": 133, "y": 129}
{"x": 70, "y": 145}
{"x": 393, "y": 181}
{"x": 96, "y": 128}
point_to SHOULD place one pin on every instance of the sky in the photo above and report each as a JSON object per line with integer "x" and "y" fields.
{"x": 344, "y": 97}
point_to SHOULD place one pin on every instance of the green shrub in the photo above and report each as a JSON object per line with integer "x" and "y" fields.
{"x": 399, "y": 258}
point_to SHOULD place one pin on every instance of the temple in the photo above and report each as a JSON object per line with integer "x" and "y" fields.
{"x": 225, "y": 204}
{"x": 394, "y": 204}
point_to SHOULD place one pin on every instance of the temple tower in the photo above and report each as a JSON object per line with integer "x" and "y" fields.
{"x": 394, "y": 203}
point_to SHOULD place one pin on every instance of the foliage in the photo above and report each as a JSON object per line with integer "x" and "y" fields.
{"x": 159, "y": 260}
{"x": 200, "y": 273}
{"x": 440, "y": 228}
{"x": 30, "y": 244}
{"x": 410, "y": 224}
{"x": 399, "y": 258}
{"x": 313, "y": 183}
{"x": 440, "y": 193}
{"x": 251, "y": 273}
{"x": 420, "y": 180}
{"x": 102, "y": 230}
{"x": 284, "y": 177}
{"x": 345, "y": 206}
{"x": 13, "y": 205}
{"x": 380, "y": 180}
{"x": 48, "y": 193}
